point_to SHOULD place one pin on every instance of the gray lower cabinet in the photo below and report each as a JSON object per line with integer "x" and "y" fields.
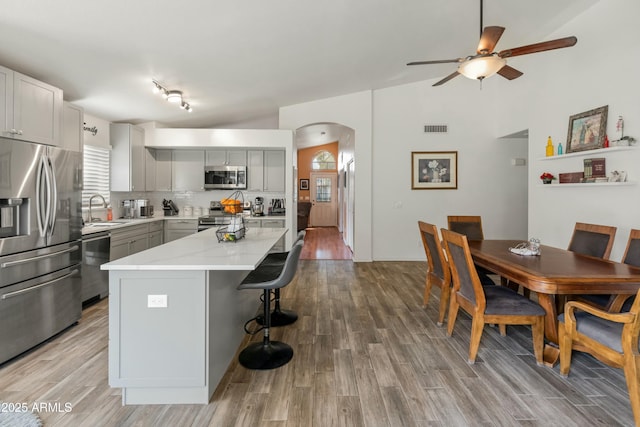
{"x": 265, "y": 222}
{"x": 156, "y": 233}
{"x": 129, "y": 240}
{"x": 177, "y": 228}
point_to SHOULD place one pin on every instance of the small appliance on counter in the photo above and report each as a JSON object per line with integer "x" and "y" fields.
{"x": 188, "y": 210}
{"x": 129, "y": 208}
{"x": 169, "y": 208}
{"x": 277, "y": 206}
{"x": 258, "y": 207}
{"x": 246, "y": 208}
{"x": 143, "y": 208}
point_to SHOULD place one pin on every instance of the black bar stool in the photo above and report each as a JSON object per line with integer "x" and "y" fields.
{"x": 270, "y": 354}
{"x": 271, "y": 267}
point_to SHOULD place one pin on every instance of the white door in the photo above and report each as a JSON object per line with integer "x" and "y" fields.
{"x": 350, "y": 202}
{"x": 324, "y": 189}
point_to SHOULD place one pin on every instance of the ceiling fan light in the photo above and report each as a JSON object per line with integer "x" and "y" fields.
{"x": 481, "y": 67}
{"x": 174, "y": 96}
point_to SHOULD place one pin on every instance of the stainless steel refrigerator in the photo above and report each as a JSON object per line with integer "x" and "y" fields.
{"x": 40, "y": 243}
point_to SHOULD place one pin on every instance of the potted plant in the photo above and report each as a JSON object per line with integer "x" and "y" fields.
{"x": 547, "y": 177}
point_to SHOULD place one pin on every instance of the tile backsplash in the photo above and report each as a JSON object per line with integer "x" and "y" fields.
{"x": 194, "y": 199}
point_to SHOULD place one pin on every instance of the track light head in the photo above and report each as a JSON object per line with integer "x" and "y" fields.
{"x": 173, "y": 96}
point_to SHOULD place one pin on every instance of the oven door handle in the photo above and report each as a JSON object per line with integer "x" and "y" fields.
{"x": 33, "y": 288}
{"x": 39, "y": 257}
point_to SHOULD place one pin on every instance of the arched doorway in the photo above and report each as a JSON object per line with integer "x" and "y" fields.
{"x": 311, "y": 140}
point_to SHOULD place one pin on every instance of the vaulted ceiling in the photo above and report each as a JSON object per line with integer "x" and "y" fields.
{"x": 240, "y": 61}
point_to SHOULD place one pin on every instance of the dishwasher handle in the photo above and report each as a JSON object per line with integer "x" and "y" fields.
{"x": 93, "y": 239}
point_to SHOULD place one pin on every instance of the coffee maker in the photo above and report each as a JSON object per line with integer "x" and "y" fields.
{"x": 258, "y": 207}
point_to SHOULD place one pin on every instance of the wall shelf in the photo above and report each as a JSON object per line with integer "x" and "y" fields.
{"x": 589, "y": 153}
{"x": 589, "y": 184}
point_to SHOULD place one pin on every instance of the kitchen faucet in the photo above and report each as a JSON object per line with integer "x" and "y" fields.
{"x": 104, "y": 205}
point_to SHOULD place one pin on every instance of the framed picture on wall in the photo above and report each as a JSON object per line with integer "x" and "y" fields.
{"x": 587, "y": 130}
{"x": 304, "y": 184}
{"x": 434, "y": 170}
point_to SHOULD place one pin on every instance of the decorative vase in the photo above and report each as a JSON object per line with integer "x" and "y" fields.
{"x": 546, "y": 181}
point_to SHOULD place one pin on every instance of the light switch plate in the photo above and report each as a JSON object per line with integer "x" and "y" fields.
{"x": 156, "y": 301}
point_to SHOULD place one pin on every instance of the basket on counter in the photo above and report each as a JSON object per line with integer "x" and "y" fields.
{"x": 232, "y": 207}
{"x": 224, "y": 235}
{"x": 233, "y": 204}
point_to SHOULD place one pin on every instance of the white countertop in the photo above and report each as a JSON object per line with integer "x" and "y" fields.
{"x": 202, "y": 251}
{"x": 125, "y": 222}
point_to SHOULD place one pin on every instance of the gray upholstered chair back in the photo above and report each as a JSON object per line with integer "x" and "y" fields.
{"x": 464, "y": 274}
{"x": 435, "y": 252}
{"x": 592, "y": 240}
{"x": 589, "y": 243}
{"x": 632, "y": 255}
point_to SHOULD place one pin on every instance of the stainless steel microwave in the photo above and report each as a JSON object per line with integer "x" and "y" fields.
{"x": 225, "y": 177}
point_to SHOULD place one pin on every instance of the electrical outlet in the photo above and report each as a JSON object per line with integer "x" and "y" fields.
{"x": 156, "y": 301}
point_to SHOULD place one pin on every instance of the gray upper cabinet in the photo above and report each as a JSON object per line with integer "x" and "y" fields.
{"x": 127, "y": 157}
{"x": 29, "y": 109}
{"x": 163, "y": 163}
{"x": 266, "y": 170}
{"x": 72, "y": 127}
{"x": 274, "y": 170}
{"x": 187, "y": 170}
{"x": 150, "y": 169}
{"x": 217, "y": 157}
{"x": 255, "y": 170}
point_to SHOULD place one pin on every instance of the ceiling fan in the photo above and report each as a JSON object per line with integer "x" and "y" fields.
{"x": 486, "y": 62}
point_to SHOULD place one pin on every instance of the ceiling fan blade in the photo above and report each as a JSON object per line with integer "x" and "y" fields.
{"x": 539, "y": 47}
{"x": 489, "y": 39}
{"x": 440, "y": 61}
{"x": 446, "y": 79}
{"x": 509, "y": 72}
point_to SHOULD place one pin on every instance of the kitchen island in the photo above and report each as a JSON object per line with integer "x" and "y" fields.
{"x": 176, "y": 318}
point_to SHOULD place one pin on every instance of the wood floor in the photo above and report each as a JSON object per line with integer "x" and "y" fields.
{"x": 366, "y": 354}
{"x": 324, "y": 243}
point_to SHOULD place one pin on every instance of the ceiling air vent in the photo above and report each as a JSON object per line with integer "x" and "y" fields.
{"x": 435, "y": 129}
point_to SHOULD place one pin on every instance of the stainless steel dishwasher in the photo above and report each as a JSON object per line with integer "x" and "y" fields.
{"x": 95, "y": 252}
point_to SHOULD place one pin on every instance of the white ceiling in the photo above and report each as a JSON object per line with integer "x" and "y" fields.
{"x": 241, "y": 61}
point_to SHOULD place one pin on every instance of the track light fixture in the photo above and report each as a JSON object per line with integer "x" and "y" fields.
{"x": 173, "y": 96}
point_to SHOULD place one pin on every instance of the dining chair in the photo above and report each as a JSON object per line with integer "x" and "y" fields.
{"x": 592, "y": 239}
{"x": 596, "y": 241}
{"x": 470, "y": 226}
{"x": 438, "y": 272}
{"x": 611, "y": 338}
{"x": 487, "y": 304}
{"x": 615, "y": 303}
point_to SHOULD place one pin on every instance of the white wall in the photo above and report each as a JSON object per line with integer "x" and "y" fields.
{"x": 488, "y": 185}
{"x": 96, "y": 131}
{"x": 600, "y": 70}
{"x": 354, "y": 111}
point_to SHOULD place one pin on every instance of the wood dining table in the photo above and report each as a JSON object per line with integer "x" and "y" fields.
{"x": 553, "y": 275}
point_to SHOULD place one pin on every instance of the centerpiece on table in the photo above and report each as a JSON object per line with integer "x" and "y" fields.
{"x": 547, "y": 177}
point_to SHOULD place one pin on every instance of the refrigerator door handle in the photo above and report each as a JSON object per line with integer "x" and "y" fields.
{"x": 33, "y": 288}
{"x": 53, "y": 187}
{"x": 39, "y": 195}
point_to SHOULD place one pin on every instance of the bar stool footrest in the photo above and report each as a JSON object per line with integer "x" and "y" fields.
{"x": 279, "y": 318}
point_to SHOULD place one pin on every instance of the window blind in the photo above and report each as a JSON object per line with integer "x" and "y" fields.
{"x": 96, "y": 174}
